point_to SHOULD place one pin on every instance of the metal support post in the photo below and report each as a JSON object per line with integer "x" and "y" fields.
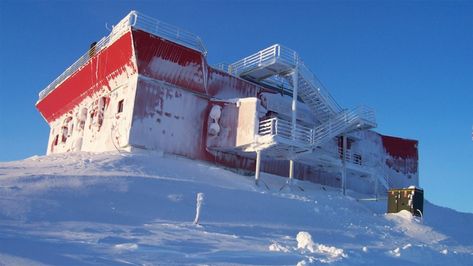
{"x": 291, "y": 171}
{"x": 344, "y": 168}
{"x": 295, "y": 86}
{"x": 258, "y": 163}
{"x": 375, "y": 186}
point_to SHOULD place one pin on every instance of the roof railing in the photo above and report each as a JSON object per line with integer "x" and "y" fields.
{"x": 168, "y": 31}
{"x": 138, "y": 21}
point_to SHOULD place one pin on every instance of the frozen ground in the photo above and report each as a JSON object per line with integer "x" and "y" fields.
{"x": 122, "y": 209}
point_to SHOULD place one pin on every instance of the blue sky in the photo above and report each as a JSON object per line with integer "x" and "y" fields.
{"x": 412, "y": 61}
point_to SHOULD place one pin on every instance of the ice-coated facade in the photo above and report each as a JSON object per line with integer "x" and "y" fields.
{"x": 148, "y": 85}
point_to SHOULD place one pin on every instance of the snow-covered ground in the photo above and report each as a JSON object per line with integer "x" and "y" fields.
{"x": 138, "y": 208}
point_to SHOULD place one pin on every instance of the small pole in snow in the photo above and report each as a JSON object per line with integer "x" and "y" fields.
{"x": 200, "y": 201}
{"x": 258, "y": 163}
{"x": 291, "y": 172}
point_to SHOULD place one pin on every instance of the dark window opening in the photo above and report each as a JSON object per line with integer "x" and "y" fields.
{"x": 56, "y": 139}
{"x": 357, "y": 159}
{"x": 64, "y": 134}
{"x": 120, "y": 106}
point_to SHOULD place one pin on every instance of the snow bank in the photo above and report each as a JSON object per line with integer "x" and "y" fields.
{"x": 304, "y": 241}
{"x": 138, "y": 208}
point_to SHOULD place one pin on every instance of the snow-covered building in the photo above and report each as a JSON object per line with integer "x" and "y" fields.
{"x": 148, "y": 85}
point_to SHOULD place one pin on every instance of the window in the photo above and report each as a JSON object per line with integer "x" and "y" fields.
{"x": 120, "y": 106}
{"x": 64, "y": 134}
{"x": 357, "y": 158}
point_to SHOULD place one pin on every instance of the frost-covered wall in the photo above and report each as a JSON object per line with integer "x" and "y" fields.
{"x": 401, "y": 161}
{"x": 168, "y": 118}
{"x": 91, "y": 110}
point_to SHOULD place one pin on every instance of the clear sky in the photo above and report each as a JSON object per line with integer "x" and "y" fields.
{"x": 412, "y": 61}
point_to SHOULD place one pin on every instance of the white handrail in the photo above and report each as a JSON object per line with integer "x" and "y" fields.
{"x": 282, "y": 128}
{"x": 313, "y": 137}
{"x": 341, "y": 122}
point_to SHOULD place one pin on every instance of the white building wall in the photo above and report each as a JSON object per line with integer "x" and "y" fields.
{"x": 95, "y": 124}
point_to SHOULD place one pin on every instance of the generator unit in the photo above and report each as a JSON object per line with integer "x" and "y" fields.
{"x": 410, "y": 199}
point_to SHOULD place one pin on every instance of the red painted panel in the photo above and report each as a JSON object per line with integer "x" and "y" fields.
{"x": 225, "y": 86}
{"x": 101, "y": 68}
{"x": 164, "y": 60}
{"x": 403, "y": 152}
{"x": 400, "y": 148}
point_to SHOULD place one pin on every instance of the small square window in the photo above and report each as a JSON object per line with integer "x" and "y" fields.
{"x": 120, "y": 106}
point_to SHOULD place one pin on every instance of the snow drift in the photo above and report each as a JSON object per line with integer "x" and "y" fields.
{"x": 139, "y": 208}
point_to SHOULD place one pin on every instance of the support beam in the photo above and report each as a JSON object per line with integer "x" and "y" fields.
{"x": 258, "y": 163}
{"x": 375, "y": 185}
{"x": 344, "y": 167}
{"x": 291, "y": 171}
{"x": 295, "y": 86}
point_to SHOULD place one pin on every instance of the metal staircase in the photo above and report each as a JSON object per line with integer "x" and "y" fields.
{"x": 278, "y": 61}
{"x": 289, "y": 140}
{"x": 308, "y": 138}
{"x": 343, "y": 122}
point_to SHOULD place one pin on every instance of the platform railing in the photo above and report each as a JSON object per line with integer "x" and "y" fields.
{"x": 282, "y": 128}
{"x": 342, "y": 122}
{"x": 136, "y": 20}
{"x": 255, "y": 60}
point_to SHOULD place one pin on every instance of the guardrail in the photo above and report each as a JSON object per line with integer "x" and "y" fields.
{"x": 221, "y": 66}
{"x": 168, "y": 31}
{"x": 277, "y": 127}
{"x": 139, "y": 21}
{"x": 315, "y": 136}
{"x": 343, "y": 121}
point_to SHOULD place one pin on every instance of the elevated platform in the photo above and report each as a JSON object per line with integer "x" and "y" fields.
{"x": 272, "y": 61}
{"x": 278, "y": 62}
